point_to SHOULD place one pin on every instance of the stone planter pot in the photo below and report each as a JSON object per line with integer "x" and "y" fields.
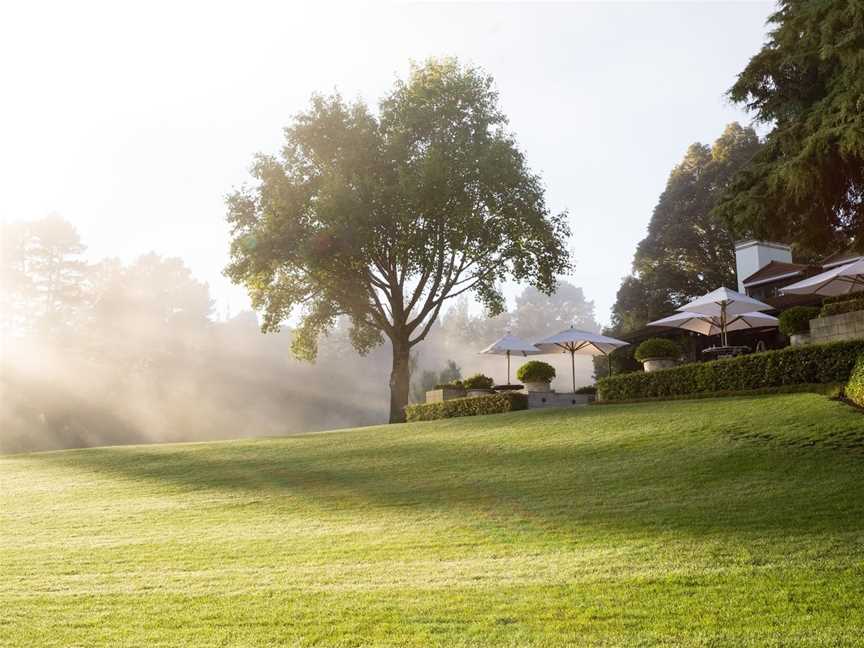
{"x": 537, "y": 386}
{"x": 797, "y": 339}
{"x": 655, "y": 364}
{"x": 472, "y": 393}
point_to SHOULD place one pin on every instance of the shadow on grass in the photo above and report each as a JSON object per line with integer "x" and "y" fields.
{"x": 556, "y": 481}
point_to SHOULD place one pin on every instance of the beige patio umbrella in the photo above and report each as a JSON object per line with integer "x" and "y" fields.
{"x": 845, "y": 279}
{"x": 724, "y": 305}
{"x": 574, "y": 341}
{"x": 508, "y": 345}
{"x": 707, "y": 325}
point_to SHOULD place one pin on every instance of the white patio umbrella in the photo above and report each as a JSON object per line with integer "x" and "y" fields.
{"x": 706, "y": 325}
{"x": 508, "y": 345}
{"x": 574, "y": 341}
{"x": 836, "y": 281}
{"x": 724, "y": 304}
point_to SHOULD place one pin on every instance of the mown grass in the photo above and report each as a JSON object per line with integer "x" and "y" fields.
{"x": 718, "y": 522}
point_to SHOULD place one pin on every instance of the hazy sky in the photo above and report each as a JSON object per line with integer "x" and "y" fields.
{"x": 133, "y": 120}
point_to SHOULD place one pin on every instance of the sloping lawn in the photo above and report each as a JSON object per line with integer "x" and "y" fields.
{"x": 727, "y": 522}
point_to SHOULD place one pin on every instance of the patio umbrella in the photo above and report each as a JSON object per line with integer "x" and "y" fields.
{"x": 837, "y": 281}
{"x": 574, "y": 341}
{"x": 724, "y": 304}
{"x": 510, "y": 344}
{"x": 706, "y": 325}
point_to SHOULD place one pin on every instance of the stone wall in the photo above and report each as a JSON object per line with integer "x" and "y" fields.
{"x": 848, "y": 326}
{"x": 441, "y": 395}
{"x": 553, "y": 399}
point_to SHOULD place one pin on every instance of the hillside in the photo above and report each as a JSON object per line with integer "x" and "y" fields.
{"x": 726, "y": 522}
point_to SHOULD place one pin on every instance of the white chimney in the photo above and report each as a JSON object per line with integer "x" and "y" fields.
{"x": 753, "y": 255}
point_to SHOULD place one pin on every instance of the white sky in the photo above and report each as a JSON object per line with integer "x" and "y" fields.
{"x": 133, "y": 120}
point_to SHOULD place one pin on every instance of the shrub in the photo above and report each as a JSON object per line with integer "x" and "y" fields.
{"x": 855, "y": 389}
{"x": 657, "y": 348}
{"x": 816, "y": 363}
{"x": 478, "y": 381}
{"x": 797, "y": 319}
{"x": 453, "y": 385}
{"x": 841, "y": 307}
{"x": 587, "y": 389}
{"x": 536, "y": 371}
{"x": 491, "y": 404}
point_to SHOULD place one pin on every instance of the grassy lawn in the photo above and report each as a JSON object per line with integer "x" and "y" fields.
{"x": 718, "y": 523}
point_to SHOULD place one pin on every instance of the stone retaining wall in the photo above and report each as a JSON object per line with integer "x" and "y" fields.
{"x": 848, "y": 326}
{"x": 553, "y": 399}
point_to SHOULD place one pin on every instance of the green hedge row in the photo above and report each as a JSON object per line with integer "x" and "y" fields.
{"x": 815, "y": 363}
{"x": 855, "y": 388}
{"x": 839, "y": 308}
{"x": 492, "y": 404}
{"x": 832, "y": 390}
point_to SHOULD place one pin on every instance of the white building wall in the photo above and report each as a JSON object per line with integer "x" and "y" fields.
{"x": 752, "y": 255}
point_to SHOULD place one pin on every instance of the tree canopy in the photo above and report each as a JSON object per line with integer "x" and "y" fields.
{"x": 806, "y": 185}
{"x": 382, "y": 217}
{"x": 688, "y": 250}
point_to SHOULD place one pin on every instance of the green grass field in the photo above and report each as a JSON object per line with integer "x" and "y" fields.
{"x": 697, "y": 523}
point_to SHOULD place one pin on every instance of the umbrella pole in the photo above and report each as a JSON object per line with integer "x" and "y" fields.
{"x": 573, "y": 368}
{"x": 508, "y": 367}
{"x": 609, "y": 358}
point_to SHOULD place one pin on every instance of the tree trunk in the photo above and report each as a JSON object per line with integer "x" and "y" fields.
{"x": 400, "y": 378}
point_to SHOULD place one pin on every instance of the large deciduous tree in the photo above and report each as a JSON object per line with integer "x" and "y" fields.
{"x": 688, "y": 250}
{"x": 807, "y": 184}
{"x": 382, "y": 217}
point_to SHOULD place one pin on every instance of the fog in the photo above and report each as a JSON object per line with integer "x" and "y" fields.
{"x": 109, "y": 353}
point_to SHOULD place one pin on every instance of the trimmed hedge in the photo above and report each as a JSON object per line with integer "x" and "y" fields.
{"x": 855, "y": 389}
{"x": 832, "y": 390}
{"x": 841, "y": 307}
{"x": 492, "y": 404}
{"x": 815, "y": 363}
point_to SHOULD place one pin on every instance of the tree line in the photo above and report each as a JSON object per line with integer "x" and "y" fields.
{"x": 803, "y": 183}
{"x": 107, "y": 352}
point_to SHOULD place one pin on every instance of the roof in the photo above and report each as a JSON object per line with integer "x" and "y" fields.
{"x": 782, "y": 302}
{"x": 773, "y": 271}
{"x": 841, "y": 256}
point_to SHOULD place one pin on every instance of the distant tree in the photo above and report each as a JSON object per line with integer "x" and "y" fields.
{"x": 149, "y": 311}
{"x": 689, "y": 250}
{"x": 450, "y": 373}
{"x": 537, "y": 314}
{"x": 42, "y": 274}
{"x": 806, "y": 185}
{"x": 383, "y": 218}
{"x": 428, "y": 379}
{"x": 16, "y": 286}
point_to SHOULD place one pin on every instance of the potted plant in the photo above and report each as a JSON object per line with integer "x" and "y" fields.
{"x": 478, "y": 384}
{"x": 536, "y": 375}
{"x": 795, "y": 323}
{"x": 657, "y": 353}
